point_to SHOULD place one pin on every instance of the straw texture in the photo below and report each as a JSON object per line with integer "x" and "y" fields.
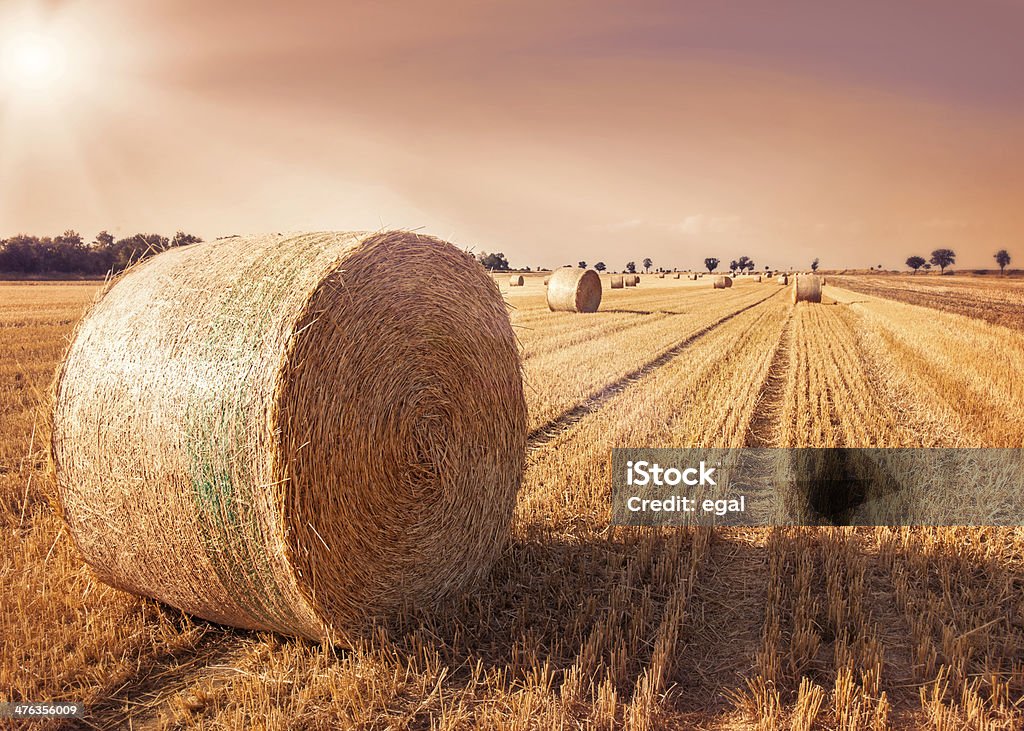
{"x": 807, "y": 288}
{"x": 722, "y": 282}
{"x": 295, "y": 433}
{"x": 617, "y": 281}
{"x": 516, "y": 280}
{"x": 574, "y": 290}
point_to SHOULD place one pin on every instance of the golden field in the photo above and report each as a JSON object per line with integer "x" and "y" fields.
{"x": 581, "y": 625}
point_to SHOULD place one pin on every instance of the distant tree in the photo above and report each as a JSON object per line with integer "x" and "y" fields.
{"x": 1002, "y": 258}
{"x": 927, "y": 266}
{"x": 943, "y": 258}
{"x": 711, "y": 264}
{"x": 103, "y": 240}
{"x": 494, "y": 262}
{"x": 916, "y": 262}
{"x": 600, "y": 266}
{"x": 582, "y": 264}
{"x": 767, "y": 268}
{"x": 183, "y": 239}
{"x": 814, "y": 265}
{"x": 744, "y": 263}
{"x": 647, "y": 264}
{"x": 631, "y": 267}
{"x": 733, "y": 265}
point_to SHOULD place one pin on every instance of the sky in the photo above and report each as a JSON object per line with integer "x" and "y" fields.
{"x": 859, "y": 133}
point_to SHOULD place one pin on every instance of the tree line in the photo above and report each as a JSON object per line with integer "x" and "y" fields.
{"x": 943, "y": 258}
{"x": 70, "y": 253}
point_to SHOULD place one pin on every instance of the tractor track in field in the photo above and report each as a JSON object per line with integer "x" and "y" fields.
{"x": 549, "y": 432}
{"x": 157, "y": 691}
{"x": 763, "y": 427}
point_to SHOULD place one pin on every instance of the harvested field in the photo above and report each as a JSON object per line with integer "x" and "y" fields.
{"x": 581, "y": 625}
{"x": 991, "y": 298}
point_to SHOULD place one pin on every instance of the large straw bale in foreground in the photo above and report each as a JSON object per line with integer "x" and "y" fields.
{"x": 293, "y": 433}
{"x": 722, "y": 282}
{"x": 574, "y": 290}
{"x": 807, "y": 288}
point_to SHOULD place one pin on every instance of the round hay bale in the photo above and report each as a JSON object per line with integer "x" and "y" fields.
{"x": 757, "y": 278}
{"x": 661, "y": 275}
{"x": 617, "y": 281}
{"x": 631, "y": 280}
{"x": 574, "y": 290}
{"x": 546, "y": 280}
{"x": 301, "y": 434}
{"x": 807, "y": 288}
{"x": 721, "y": 282}
{"x": 516, "y": 280}
{"x": 676, "y": 276}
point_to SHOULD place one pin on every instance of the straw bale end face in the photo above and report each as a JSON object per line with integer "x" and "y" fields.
{"x": 574, "y": 290}
{"x": 293, "y": 433}
{"x": 807, "y": 288}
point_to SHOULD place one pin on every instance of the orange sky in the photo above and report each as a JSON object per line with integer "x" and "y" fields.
{"x": 857, "y": 132}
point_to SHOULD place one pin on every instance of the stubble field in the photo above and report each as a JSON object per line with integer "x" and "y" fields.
{"x": 581, "y": 625}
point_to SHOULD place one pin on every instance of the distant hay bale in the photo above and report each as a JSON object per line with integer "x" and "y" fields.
{"x": 303, "y": 434}
{"x": 546, "y": 280}
{"x": 721, "y": 282}
{"x": 617, "y": 281}
{"x": 661, "y": 275}
{"x": 574, "y": 290}
{"x": 807, "y": 288}
{"x": 757, "y": 278}
{"x": 631, "y": 280}
{"x": 784, "y": 279}
{"x": 692, "y": 277}
{"x": 516, "y": 280}
{"x": 676, "y": 276}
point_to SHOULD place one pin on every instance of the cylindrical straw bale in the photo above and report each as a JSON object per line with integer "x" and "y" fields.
{"x": 299, "y": 433}
{"x": 807, "y": 288}
{"x": 516, "y": 280}
{"x": 617, "y": 281}
{"x": 574, "y": 290}
{"x": 721, "y": 282}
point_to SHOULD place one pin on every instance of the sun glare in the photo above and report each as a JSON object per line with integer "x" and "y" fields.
{"x": 33, "y": 61}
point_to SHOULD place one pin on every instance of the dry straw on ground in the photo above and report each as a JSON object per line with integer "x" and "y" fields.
{"x": 574, "y": 290}
{"x": 807, "y": 288}
{"x": 516, "y": 280}
{"x": 300, "y": 434}
{"x": 722, "y": 282}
